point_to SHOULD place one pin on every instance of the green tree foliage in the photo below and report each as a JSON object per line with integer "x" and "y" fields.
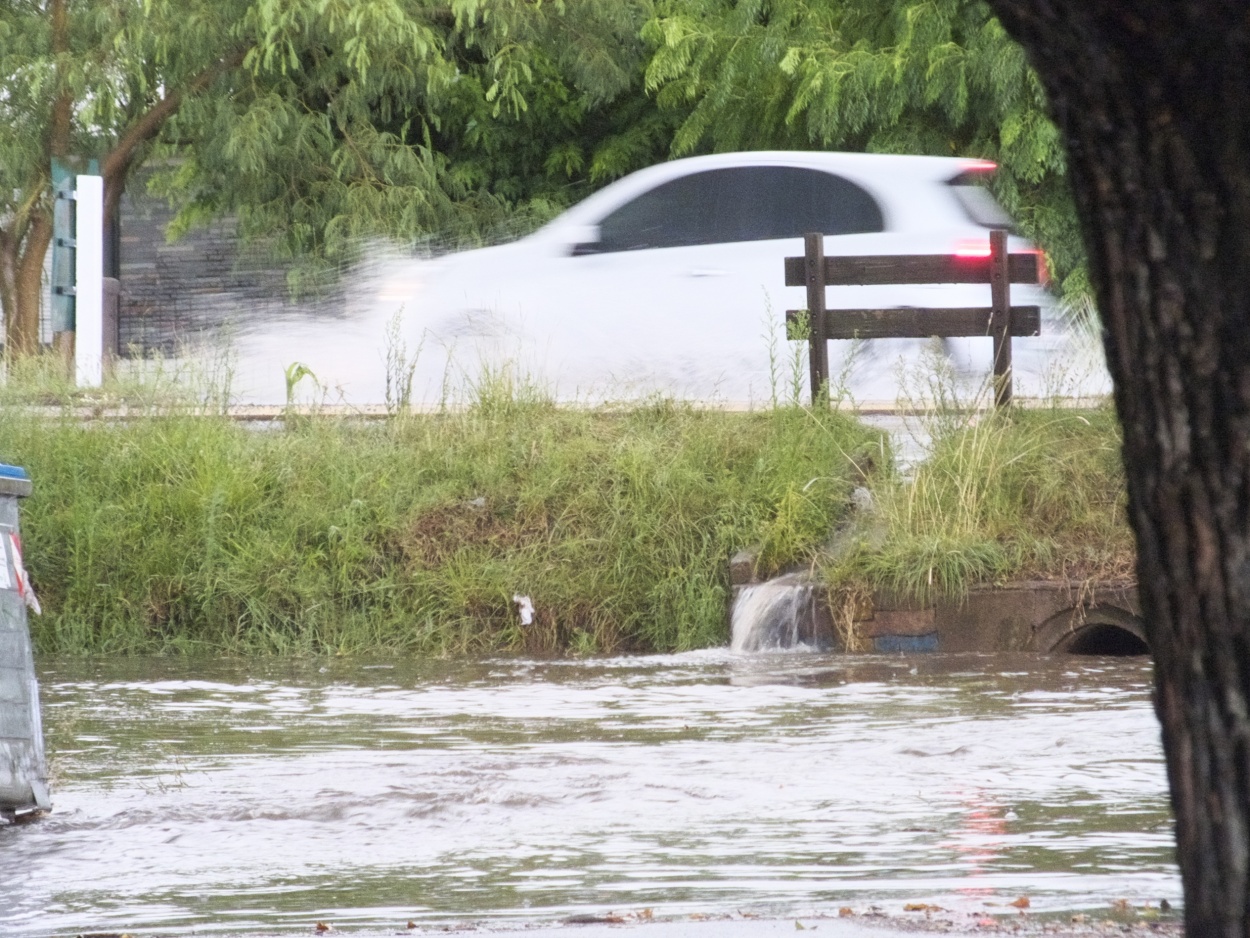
{"x": 552, "y": 104}
{"x": 109, "y": 78}
{"x": 90, "y": 79}
{"x": 490, "y": 110}
{"x": 903, "y": 76}
{"x": 316, "y": 120}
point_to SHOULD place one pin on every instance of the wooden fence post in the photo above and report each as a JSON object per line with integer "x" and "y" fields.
{"x": 1000, "y": 320}
{"x": 1000, "y": 317}
{"x": 814, "y": 263}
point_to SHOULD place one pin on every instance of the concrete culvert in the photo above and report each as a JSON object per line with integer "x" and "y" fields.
{"x": 1102, "y": 630}
{"x": 1104, "y": 640}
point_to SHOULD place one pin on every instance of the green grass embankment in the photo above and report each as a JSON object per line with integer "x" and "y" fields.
{"x": 1026, "y": 494}
{"x": 191, "y": 533}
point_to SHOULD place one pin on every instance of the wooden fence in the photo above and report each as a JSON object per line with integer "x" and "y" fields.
{"x": 1000, "y": 319}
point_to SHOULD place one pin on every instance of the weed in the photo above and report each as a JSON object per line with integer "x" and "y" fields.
{"x": 1018, "y": 494}
{"x": 400, "y": 367}
{"x": 295, "y": 373}
{"x": 799, "y": 334}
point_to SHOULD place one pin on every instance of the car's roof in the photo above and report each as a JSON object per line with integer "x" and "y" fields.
{"x": 932, "y": 167}
{"x": 886, "y": 174}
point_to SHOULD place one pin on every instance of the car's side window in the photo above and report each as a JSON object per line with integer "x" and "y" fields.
{"x": 764, "y": 202}
{"x": 743, "y": 203}
{"x": 674, "y": 214}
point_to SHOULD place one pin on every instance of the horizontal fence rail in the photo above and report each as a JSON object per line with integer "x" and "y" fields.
{"x": 1000, "y": 320}
{"x": 919, "y": 323}
{"x": 913, "y": 269}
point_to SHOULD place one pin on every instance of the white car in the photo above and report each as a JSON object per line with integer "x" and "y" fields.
{"x": 671, "y": 280}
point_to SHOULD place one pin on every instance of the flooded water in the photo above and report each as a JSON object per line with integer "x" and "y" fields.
{"x": 240, "y": 797}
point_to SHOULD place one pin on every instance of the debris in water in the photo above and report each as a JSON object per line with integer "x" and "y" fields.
{"x": 862, "y": 501}
{"x": 524, "y": 608}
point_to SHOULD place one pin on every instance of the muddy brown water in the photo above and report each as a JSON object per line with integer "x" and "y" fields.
{"x": 265, "y": 796}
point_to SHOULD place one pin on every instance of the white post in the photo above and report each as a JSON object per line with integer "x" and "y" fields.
{"x": 89, "y": 283}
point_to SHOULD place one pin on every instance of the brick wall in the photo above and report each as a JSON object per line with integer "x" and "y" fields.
{"x": 195, "y": 289}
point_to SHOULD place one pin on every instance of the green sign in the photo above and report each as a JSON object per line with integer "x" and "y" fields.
{"x": 64, "y": 181}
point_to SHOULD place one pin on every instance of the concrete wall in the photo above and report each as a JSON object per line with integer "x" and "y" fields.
{"x": 202, "y": 287}
{"x": 1038, "y": 616}
{"x": 1041, "y": 616}
{"x": 23, "y": 768}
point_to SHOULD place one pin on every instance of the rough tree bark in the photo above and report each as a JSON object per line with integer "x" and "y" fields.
{"x": 1152, "y": 96}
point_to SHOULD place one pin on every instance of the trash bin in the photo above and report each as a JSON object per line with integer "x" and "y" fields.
{"x": 23, "y": 767}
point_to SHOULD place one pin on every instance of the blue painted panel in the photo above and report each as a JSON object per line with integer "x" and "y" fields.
{"x": 905, "y": 643}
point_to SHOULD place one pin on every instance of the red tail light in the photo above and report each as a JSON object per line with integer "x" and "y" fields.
{"x": 1043, "y": 266}
{"x": 969, "y": 250}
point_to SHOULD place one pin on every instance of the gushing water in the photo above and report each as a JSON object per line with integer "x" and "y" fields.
{"x": 778, "y": 614}
{"x": 343, "y": 342}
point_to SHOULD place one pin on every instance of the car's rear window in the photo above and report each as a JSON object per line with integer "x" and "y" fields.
{"x": 742, "y": 203}
{"x": 971, "y": 191}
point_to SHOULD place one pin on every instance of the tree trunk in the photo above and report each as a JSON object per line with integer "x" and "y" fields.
{"x": 23, "y": 331}
{"x": 21, "y": 285}
{"x": 1151, "y": 98}
{"x": 8, "y": 278}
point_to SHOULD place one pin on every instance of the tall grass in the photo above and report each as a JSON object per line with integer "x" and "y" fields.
{"x": 179, "y": 530}
{"x": 1022, "y": 494}
{"x": 186, "y": 532}
{"x": 134, "y": 385}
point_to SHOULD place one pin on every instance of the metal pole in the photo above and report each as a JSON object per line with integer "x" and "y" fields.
{"x": 89, "y": 283}
{"x": 62, "y": 273}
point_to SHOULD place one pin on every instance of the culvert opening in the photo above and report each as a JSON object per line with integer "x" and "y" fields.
{"x": 1106, "y": 640}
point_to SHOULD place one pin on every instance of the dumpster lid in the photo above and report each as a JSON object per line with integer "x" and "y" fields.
{"x": 12, "y": 472}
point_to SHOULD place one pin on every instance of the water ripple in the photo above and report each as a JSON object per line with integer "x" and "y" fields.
{"x": 233, "y": 797}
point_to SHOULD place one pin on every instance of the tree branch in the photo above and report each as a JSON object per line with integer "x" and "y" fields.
{"x": 147, "y": 126}
{"x": 62, "y": 106}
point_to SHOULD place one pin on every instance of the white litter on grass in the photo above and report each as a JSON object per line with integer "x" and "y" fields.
{"x": 524, "y": 608}
{"x": 24, "y": 586}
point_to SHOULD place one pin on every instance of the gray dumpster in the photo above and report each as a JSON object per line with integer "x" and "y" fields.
{"x": 23, "y": 769}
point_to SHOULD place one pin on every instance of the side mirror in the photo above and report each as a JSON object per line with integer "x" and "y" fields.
{"x": 585, "y": 239}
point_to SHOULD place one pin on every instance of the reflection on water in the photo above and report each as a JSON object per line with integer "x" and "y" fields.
{"x": 234, "y": 796}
